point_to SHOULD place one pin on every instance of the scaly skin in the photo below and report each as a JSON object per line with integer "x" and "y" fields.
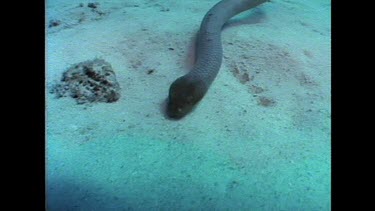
{"x": 189, "y": 89}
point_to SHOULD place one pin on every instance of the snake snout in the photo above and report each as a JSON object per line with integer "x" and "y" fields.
{"x": 174, "y": 112}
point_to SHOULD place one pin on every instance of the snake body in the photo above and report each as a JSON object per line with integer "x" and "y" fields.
{"x": 188, "y": 90}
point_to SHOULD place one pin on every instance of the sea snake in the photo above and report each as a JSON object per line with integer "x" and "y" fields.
{"x": 188, "y": 90}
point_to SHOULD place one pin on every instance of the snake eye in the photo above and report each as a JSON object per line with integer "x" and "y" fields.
{"x": 189, "y": 99}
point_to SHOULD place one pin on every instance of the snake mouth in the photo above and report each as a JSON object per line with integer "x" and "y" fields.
{"x": 175, "y": 116}
{"x": 175, "y": 112}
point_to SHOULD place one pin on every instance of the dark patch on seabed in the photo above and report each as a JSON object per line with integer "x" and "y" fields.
{"x": 76, "y": 15}
{"x": 271, "y": 67}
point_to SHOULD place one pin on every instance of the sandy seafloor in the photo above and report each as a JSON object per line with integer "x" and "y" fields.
{"x": 234, "y": 152}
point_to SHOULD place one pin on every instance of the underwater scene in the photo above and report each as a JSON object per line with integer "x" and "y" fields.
{"x": 188, "y": 105}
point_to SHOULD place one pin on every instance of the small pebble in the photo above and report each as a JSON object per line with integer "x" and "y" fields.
{"x": 54, "y": 23}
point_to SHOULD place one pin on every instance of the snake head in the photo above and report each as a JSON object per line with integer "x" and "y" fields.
{"x": 184, "y": 94}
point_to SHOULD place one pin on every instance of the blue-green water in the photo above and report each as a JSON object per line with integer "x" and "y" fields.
{"x": 256, "y": 144}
